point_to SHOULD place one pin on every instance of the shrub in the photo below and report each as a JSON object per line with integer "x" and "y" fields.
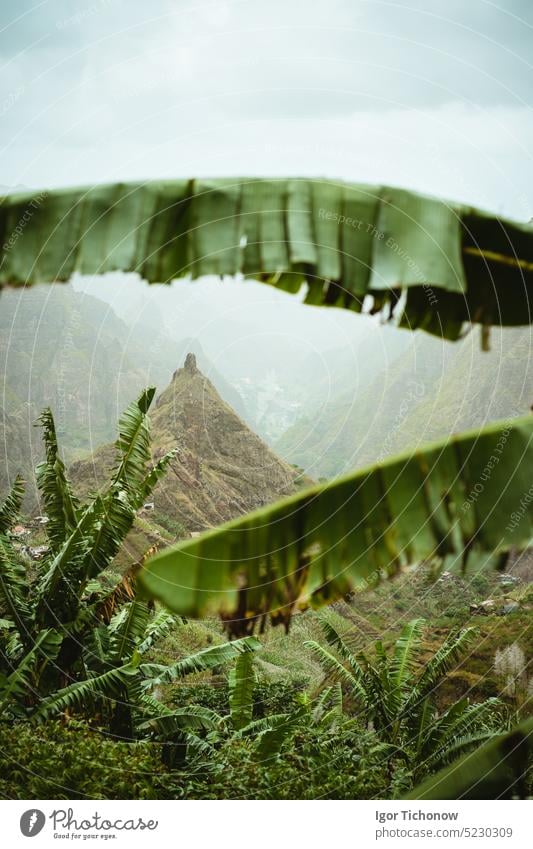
{"x": 71, "y": 761}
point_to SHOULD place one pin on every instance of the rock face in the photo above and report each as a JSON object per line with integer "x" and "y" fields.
{"x": 222, "y": 468}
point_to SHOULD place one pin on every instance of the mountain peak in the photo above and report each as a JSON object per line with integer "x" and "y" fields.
{"x": 222, "y": 468}
{"x": 190, "y": 363}
{"x": 189, "y": 368}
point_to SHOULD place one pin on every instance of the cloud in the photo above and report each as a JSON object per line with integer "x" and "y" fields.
{"x": 367, "y": 88}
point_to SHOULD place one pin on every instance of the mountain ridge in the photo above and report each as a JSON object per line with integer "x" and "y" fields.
{"x": 222, "y": 469}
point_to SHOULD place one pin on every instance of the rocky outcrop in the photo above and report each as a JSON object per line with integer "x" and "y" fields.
{"x": 222, "y": 469}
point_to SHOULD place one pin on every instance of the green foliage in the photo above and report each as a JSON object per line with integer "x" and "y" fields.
{"x": 396, "y": 695}
{"x": 208, "y": 658}
{"x": 313, "y": 765}
{"x": 241, "y": 688}
{"x": 81, "y": 696}
{"x": 311, "y": 549}
{"x": 456, "y": 262}
{"x": 10, "y": 509}
{"x": 13, "y": 590}
{"x": 60, "y": 504}
{"x": 22, "y": 684}
{"x": 501, "y": 768}
{"x": 71, "y": 761}
{"x": 90, "y": 663}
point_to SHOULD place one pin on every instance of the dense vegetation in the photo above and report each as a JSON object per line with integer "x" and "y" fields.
{"x": 98, "y": 665}
{"x": 94, "y": 703}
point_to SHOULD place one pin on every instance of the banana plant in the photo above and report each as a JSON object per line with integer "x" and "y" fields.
{"x": 121, "y": 686}
{"x": 499, "y": 769}
{"x": 449, "y": 503}
{"x": 173, "y": 728}
{"x": 49, "y": 617}
{"x": 422, "y": 262}
{"x": 395, "y": 693}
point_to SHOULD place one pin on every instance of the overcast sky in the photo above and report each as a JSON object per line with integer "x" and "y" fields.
{"x": 435, "y": 95}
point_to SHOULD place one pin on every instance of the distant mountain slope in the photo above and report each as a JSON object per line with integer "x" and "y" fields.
{"x": 16, "y": 456}
{"x": 69, "y": 350}
{"x": 222, "y": 469}
{"x": 431, "y": 390}
{"x": 477, "y": 388}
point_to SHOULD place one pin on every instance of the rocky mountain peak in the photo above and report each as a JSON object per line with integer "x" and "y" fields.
{"x": 222, "y": 469}
{"x": 190, "y": 363}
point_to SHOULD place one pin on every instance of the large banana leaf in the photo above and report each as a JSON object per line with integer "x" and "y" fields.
{"x": 454, "y": 263}
{"x": 496, "y": 770}
{"x": 454, "y": 500}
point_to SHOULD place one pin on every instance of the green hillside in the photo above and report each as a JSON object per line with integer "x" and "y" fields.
{"x": 431, "y": 390}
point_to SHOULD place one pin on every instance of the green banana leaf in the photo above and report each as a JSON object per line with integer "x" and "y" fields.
{"x": 452, "y": 263}
{"x": 496, "y": 770}
{"x": 459, "y": 500}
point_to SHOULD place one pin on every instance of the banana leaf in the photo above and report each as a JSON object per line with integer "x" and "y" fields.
{"x": 497, "y": 770}
{"x": 454, "y": 501}
{"x": 426, "y": 263}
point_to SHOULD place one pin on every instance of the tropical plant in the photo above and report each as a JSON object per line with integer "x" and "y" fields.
{"x": 395, "y": 693}
{"x": 120, "y": 686}
{"x": 501, "y": 768}
{"x": 268, "y": 733}
{"x": 49, "y": 615}
{"x": 451, "y": 263}
{"x": 449, "y": 503}
{"x": 266, "y": 736}
{"x": 70, "y": 639}
{"x": 415, "y": 259}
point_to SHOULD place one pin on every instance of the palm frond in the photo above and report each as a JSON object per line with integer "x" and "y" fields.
{"x": 329, "y": 706}
{"x": 458, "y": 721}
{"x": 165, "y": 726}
{"x": 496, "y": 770}
{"x": 271, "y": 741}
{"x": 59, "y": 501}
{"x": 158, "y": 627}
{"x": 440, "y": 664}
{"x": 14, "y": 589}
{"x": 200, "y": 661}
{"x": 334, "y": 639}
{"x": 115, "y": 519}
{"x": 110, "y": 685}
{"x": 457, "y": 747}
{"x": 335, "y": 671}
{"x": 241, "y": 691}
{"x": 147, "y": 707}
{"x": 133, "y": 446}
{"x": 64, "y": 576}
{"x": 188, "y": 746}
{"x": 23, "y": 681}
{"x": 156, "y": 473}
{"x": 486, "y": 714}
{"x": 457, "y": 264}
{"x": 316, "y": 545}
{"x": 402, "y": 663}
{"x": 95, "y": 646}
{"x": 9, "y": 510}
{"x": 127, "y": 629}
